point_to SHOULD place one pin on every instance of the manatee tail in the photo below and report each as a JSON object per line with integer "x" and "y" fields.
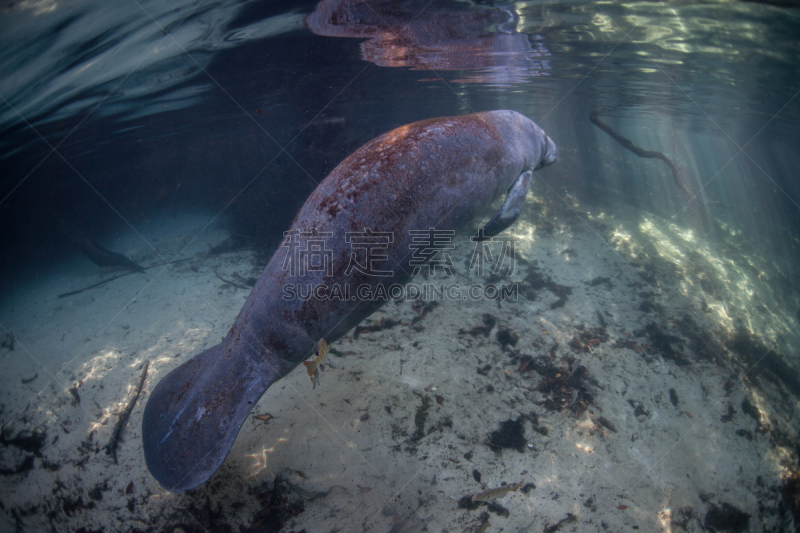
{"x": 195, "y": 412}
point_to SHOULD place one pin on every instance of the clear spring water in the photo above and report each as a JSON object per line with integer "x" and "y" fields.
{"x": 125, "y": 120}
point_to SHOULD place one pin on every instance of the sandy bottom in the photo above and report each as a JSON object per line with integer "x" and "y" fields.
{"x": 639, "y": 380}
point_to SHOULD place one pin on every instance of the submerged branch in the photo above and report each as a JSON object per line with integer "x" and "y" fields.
{"x": 641, "y": 152}
{"x": 231, "y": 282}
{"x": 122, "y": 419}
{"x": 98, "y": 284}
{"x": 112, "y": 278}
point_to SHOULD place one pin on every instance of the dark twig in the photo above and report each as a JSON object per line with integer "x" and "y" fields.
{"x": 98, "y": 284}
{"x": 641, "y": 152}
{"x": 112, "y": 278}
{"x": 231, "y": 282}
{"x": 122, "y": 418}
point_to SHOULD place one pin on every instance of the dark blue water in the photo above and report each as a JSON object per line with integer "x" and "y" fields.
{"x": 115, "y": 114}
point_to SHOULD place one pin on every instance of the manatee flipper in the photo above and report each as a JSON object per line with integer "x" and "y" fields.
{"x": 195, "y": 412}
{"x": 512, "y": 207}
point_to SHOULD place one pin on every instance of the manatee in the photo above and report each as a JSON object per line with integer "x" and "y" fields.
{"x": 439, "y": 173}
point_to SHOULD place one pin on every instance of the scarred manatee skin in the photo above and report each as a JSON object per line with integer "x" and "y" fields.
{"x": 435, "y": 174}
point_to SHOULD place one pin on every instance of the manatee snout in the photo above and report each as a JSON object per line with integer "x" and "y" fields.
{"x": 550, "y": 154}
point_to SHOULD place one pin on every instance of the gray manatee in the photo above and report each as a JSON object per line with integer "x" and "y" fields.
{"x": 439, "y": 173}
